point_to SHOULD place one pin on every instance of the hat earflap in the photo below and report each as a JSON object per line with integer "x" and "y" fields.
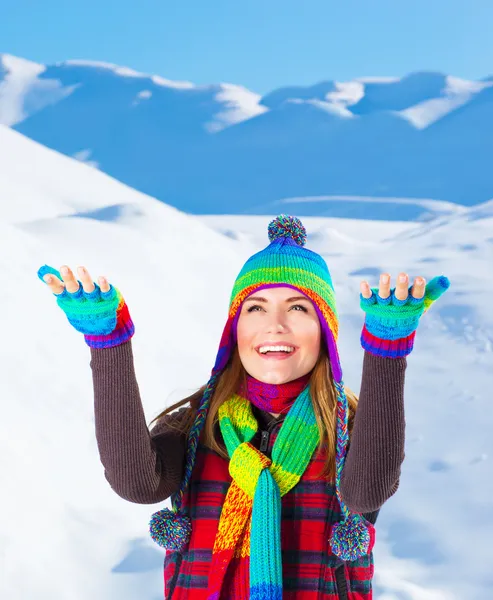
{"x": 171, "y": 529}
{"x": 350, "y": 538}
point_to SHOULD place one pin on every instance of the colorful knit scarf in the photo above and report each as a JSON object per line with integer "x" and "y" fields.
{"x": 249, "y": 526}
{"x": 272, "y": 397}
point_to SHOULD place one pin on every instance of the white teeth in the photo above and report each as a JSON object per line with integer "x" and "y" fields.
{"x": 264, "y": 349}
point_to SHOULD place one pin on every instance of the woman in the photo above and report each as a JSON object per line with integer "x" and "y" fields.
{"x": 275, "y": 470}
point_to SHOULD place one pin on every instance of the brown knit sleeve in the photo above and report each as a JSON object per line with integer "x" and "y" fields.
{"x": 373, "y": 463}
{"x": 141, "y": 466}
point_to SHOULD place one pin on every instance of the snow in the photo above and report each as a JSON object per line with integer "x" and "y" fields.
{"x": 433, "y": 207}
{"x": 346, "y": 93}
{"x": 239, "y": 104}
{"x": 48, "y": 198}
{"x": 144, "y": 94}
{"x": 84, "y": 156}
{"x": 178, "y": 85}
{"x": 456, "y": 93}
{"x": 332, "y": 108}
{"x": 59, "y": 515}
{"x": 21, "y": 66}
{"x": 118, "y": 70}
{"x": 378, "y": 79}
{"x": 127, "y": 72}
{"x": 22, "y": 91}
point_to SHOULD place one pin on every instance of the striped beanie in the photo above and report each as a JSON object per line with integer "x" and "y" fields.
{"x": 287, "y": 262}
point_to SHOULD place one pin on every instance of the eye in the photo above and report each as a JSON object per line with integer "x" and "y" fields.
{"x": 255, "y": 306}
{"x": 252, "y": 308}
{"x": 303, "y": 308}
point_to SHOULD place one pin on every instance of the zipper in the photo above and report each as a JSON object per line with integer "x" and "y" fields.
{"x": 265, "y": 437}
{"x": 341, "y": 584}
{"x": 264, "y": 441}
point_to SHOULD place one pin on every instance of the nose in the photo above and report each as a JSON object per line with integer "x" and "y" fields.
{"x": 277, "y": 323}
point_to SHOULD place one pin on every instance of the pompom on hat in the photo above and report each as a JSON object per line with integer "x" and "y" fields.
{"x": 287, "y": 262}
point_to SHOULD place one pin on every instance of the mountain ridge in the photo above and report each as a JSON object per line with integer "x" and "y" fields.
{"x": 221, "y": 148}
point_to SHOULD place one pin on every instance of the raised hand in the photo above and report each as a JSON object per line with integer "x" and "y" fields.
{"x": 98, "y": 311}
{"x": 392, "y": 315}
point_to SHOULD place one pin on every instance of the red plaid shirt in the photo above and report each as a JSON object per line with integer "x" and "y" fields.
{"x": 310, "y": 570}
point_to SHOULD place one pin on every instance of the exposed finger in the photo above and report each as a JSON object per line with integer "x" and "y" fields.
{"x": 418, "y": 290}
{"x": 56, "y": 285}
{"x": 103, "y": 284}
{"x": 87, "y": 282}
{"x": 365, "y": 289}
{"x": 384, "y": 286}
{"x": 71, "y": 282}
{"x": 401, "y": 288}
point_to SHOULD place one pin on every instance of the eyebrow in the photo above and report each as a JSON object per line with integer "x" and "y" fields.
{"x": 261, "y": 299}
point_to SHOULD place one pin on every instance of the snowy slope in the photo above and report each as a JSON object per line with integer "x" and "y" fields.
{"x": 59, "y": 515}
{"x": 426, "y": 135}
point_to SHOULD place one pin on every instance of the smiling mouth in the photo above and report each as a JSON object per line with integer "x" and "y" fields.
{"x": 278, "y": 351}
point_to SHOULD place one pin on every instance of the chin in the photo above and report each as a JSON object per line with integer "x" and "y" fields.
{"x": 274, "y": 377}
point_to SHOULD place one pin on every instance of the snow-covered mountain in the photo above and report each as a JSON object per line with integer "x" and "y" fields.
{"x": 224, "y": 149}
{"x": 59, "y": 519}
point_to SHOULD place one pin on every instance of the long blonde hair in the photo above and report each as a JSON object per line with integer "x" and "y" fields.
{"x": 323, "y": 396}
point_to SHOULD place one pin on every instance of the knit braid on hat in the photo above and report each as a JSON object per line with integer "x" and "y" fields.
{"x": 285, "y": 261}
{"x": 171, "y": 529}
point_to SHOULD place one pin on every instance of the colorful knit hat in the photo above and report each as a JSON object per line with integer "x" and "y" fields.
{"x": 285, "y": 261}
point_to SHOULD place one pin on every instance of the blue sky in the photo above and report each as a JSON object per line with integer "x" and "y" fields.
{"x": 262, "y": 44}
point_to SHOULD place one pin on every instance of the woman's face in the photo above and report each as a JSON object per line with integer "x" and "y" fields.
{"x": 273, "y": 318}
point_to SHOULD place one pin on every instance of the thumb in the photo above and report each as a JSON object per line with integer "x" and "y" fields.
{"x": 42, "y": 271}
{"x": 436, "y": 287}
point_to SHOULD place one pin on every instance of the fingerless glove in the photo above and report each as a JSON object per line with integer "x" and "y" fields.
{"x": 102, "y": 317}
{"x": 390, "y": 324}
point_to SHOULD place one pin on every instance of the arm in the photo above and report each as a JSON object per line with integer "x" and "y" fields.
{"x": 373, "y": 463}
{"x": 141, "y": 466}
